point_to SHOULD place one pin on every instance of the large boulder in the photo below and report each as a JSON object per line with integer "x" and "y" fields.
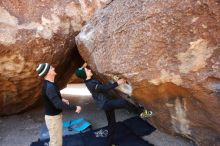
{"x": 32, "y": 32}
{"x": 169, "y": 53}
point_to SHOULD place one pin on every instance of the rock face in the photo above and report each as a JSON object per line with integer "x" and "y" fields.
{"x": 170, "y": 54}
{"x": 32, "y": 32}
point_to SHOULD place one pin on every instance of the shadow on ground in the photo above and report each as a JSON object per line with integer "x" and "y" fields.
{"x": 22, "y": 129}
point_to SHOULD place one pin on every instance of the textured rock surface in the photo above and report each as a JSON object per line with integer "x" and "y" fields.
{"x": 37, "y": 31}
{"x": 169, "y": 52}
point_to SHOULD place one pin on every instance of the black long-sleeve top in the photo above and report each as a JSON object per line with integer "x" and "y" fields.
{"x": 99, "y": 90}
{"x": 53, "y": 100}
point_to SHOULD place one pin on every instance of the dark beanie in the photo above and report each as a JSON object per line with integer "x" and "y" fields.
{"x": 80, "y": 72}
{"x": 43, "y": 69}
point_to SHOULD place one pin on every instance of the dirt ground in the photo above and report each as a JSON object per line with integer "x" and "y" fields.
{"x": 22, "y": 129}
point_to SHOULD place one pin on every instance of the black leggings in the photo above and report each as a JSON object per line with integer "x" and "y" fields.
{"x": 109, "y": 108}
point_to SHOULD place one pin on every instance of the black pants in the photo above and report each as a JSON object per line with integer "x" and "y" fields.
{"x": 109, "y": 108}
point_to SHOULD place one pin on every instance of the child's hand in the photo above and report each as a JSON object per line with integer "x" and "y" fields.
{"x": 121, "y": 81}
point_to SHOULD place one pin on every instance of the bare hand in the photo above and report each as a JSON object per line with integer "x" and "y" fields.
{"x": 121, "y": 81}
{"x": 78, "y": 109}
{"x": 65, "y": 101}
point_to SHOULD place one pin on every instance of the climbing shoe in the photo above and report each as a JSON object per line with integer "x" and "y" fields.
{"x": 146, "y": 114}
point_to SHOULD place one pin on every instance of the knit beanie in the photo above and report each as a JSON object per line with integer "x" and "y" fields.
{"x": 80, "y": 72}
{"x": 43, "y": 69}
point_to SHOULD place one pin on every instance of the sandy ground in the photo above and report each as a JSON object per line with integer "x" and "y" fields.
{"x": 22, "y": 129}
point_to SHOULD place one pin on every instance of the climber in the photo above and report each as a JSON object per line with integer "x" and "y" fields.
{"x": 104, "y": 101}
{"x": 54, "y": 104}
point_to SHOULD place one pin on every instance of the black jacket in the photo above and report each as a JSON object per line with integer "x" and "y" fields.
{"x": 53, "y": 100}
{"x": 99, "y": 90}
